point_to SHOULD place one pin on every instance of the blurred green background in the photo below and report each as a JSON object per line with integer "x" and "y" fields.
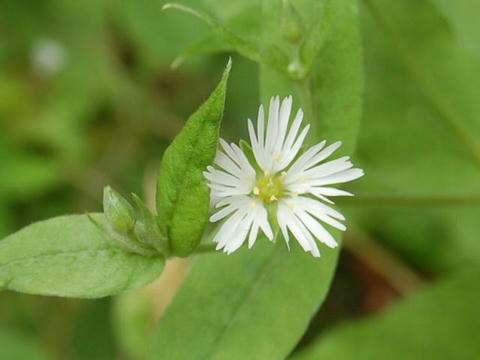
{"x": 88, "y": 98}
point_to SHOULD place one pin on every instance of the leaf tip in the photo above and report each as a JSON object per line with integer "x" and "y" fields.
{"x": 228, "y": 67}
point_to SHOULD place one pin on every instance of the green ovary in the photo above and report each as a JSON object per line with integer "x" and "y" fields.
{"x": 269, "y": 188}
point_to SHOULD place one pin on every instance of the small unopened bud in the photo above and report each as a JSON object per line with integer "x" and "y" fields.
{"x": 296, "y": 70}
{"x": 291, "y": 23}
{"x": 118, "y": 211}
{"x": 148, "y": 230}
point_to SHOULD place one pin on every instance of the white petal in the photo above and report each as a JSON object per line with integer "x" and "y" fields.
{"x": 262, "y": 220}
{"x": 237, "y": 155}
{"x": 329, "y": 191}
{"x": 227, "y": 164}
{"x": 308, "y": 237}
{"x": 282, "y": 216}
{"x": 329, "y": 168}
{"x": 272, "y": 125}
{"x": 284, "y": 117}
{"x": 221, "y": 190}
{"x": 252, "y": 237}
{"x": 228, "y": 228}
{"x": 316, "y": 207}
{"x": 261, "y": 127}
{"x": 298, "y": 165}
{"x": 292, "y": 133}
{"x": 290, "y": 155}
{"x": 338, "y": 178}
{"x": 221, "y": 177}
{"x": 292, "y": 225}
{"x": 323, "y": 154}
{"x": 240, "y": 235}
{"x": 242, "y": 158}
{"x": 258, "y": 150}
{"x": 220, "y": 214}
{"x": 318, "y": 230}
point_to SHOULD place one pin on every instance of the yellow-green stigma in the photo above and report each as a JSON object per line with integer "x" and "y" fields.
{"x": 269, "y": 188}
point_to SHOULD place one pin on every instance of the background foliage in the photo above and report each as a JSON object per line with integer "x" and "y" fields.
{"x": 88, "y": 98}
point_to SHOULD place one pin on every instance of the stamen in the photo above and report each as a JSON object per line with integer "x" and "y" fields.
{"x": 269, "y": 188}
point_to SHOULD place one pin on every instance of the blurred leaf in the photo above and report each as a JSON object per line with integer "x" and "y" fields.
{"x": 242, "y": 46}
{"x": 182, "y": 192}
{"x": 147, "y": 27}
{"x": 19, "y": 347}
{"x": 410, "y": 143}
{"x": 92, "y": 333}
{"x": 132, "y": 319}
{"x": 228, "y": 305}
{"x": 331, "y": 96}
{"x": 69, "y": 256}
{"x": 461, "y": 15}
{"x": 441, "y": 322}
{"x": 420, "y": 133}
{"x": 211, "y": 43}
{"x": 25, "y": 173}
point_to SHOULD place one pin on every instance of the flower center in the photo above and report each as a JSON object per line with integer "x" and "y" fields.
{"x": 269, "y": 188}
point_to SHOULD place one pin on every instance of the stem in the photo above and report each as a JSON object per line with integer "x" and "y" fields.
{"x": 305, "y": 95}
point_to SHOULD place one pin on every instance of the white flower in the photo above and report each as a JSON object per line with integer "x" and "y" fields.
{"x": 281, "y": 184}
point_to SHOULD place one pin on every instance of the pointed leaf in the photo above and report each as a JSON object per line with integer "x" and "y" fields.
{"x": 70, "y": 256}
{"x": 182, "y": 191}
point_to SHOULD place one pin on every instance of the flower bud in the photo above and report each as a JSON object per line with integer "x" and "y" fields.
{"x": 148, "y": 230}
{"x": 118, "y": 211}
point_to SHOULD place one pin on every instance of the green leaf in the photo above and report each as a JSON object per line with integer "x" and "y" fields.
{"x": 69, "y": 256}
{"x": 253, "y": 304}
{"x": 17, "y": 346}
{"x": 441, "y": 322}
{"x": 182, "y": 192}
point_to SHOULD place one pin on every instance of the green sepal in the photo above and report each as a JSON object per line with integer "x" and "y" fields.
{"x": 126, "y": 241}
{"x": 118, "y": 211}
{"x": 149, "y": 229}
